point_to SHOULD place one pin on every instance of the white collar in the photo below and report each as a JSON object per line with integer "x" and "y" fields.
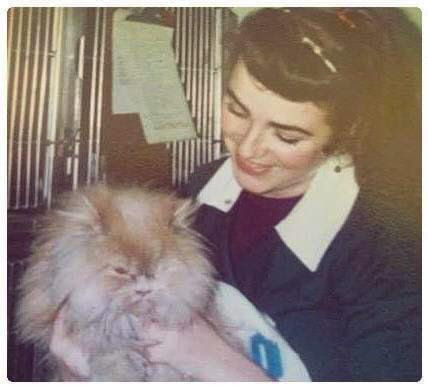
{"x": 313, "y": 223}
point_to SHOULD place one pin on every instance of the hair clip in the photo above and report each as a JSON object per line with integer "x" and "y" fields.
{"x": 318, "y": 51}
{"x": 341, "y": 14}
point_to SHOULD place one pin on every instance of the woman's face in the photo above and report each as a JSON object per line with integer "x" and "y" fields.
{"x": 275, "y": 144}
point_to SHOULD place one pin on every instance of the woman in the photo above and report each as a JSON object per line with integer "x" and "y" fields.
{"x": 315, "y": 96}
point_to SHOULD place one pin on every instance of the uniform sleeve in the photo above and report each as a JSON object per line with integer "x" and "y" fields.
{"x": 379, "y": 290}
{"x": 257, "y": 336}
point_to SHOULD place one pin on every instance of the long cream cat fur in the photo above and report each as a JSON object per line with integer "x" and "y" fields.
{"x": 112, "y": 258}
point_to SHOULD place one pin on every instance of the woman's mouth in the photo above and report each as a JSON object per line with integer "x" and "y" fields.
{"x": 250, "y": 168}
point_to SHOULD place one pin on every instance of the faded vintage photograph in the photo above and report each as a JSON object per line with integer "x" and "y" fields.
{"x": 214, "y": 194}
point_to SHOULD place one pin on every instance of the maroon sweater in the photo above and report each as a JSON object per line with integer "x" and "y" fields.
{"x": 252, "y": 218}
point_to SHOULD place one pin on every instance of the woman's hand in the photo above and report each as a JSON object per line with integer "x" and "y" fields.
{"x": 199, "y": 351}
{"x": 74, "y": 362}
{"x": 195, "y": 349}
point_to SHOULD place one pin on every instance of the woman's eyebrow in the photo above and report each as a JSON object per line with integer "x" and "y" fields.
{"x": 289, "y": 128}
{"x": 275, "y": 125}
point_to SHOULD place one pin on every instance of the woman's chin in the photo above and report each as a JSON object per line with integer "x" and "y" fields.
{"x": 251, "y": 183}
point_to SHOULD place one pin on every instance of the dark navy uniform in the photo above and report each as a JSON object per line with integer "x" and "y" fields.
{"x": 340, "y": 278}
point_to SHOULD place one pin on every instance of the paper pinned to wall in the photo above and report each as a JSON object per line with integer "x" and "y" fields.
{"x": 145, "y": 80}
{"x": 242, "y": 12}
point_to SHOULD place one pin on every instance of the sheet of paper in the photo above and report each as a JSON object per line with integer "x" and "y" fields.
{"x": 146, "y": 81}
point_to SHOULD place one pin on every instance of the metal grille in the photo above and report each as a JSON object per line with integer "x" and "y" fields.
{"x": 37, "y": 138}
{"x": 197, "y": 43}
{"x": 32, "y": 61}
{"x": 40, "y": 140}
{"x": 91, "y": 72}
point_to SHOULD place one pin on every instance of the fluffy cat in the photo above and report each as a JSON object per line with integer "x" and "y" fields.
{"x": 110, "y": 258}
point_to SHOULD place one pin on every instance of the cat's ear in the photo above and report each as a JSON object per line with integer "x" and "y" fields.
{"x": 80, "y": 208}
{"x": 184, "y": 212}
{"x": 97, "y": 201}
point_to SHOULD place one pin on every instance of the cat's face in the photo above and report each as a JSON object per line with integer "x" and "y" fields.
{"x": 169, "y": 292}
{"x": 144, "y": 261}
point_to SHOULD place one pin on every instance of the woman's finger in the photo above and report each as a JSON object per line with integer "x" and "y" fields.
{"x": 65, "y": 350}
{"x": 58, "y": 334}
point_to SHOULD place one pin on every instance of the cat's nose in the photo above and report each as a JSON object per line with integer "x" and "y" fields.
{"x": 143, "y": 292}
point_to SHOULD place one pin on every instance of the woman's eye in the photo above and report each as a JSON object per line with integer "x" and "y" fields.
{"x": 120, "y": 270}
{"x": 292, "y": 141}
{"x": 234, "y": 111}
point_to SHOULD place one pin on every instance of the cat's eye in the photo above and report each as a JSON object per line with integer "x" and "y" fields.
{"x": 120, "y": 270}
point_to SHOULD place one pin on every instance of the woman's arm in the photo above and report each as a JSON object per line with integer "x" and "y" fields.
{"x": 195, "y": 349}
{"x": 198, "y": 350}
{"x": 73, "y": 362}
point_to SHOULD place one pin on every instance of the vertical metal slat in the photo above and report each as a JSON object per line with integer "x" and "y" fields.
{"x": 218, "y": 82}
{"x": 205, "y": 103}
{"x": 77, "y": 113}
{"x": 192, "y": 142}
{"x": 10, "y": 26}
{"x": 100, "y": 92}
{"x": 32, "y": 108}
{"x": 92, "y": 100}
{"x": 14, "y": 106}
{"x": 41, "y": 103}
{"x": 21, "y": 127}
{"x": 211, "y": 86}
{"x": 53, "y": 106}
{"x": 199, "y": 109}
{"x": 178, "y": 50}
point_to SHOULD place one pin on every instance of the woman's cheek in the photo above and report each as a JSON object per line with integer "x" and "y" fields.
{"x": 226, "y": 121}
{"x": 295, "y": 158}
{"x": 233, "y": 126}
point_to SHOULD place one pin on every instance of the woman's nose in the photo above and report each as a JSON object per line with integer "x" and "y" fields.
{"x": 251, "y": 144}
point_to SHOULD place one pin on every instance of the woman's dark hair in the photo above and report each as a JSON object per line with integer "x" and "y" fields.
{"x": 363, "y": 65}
